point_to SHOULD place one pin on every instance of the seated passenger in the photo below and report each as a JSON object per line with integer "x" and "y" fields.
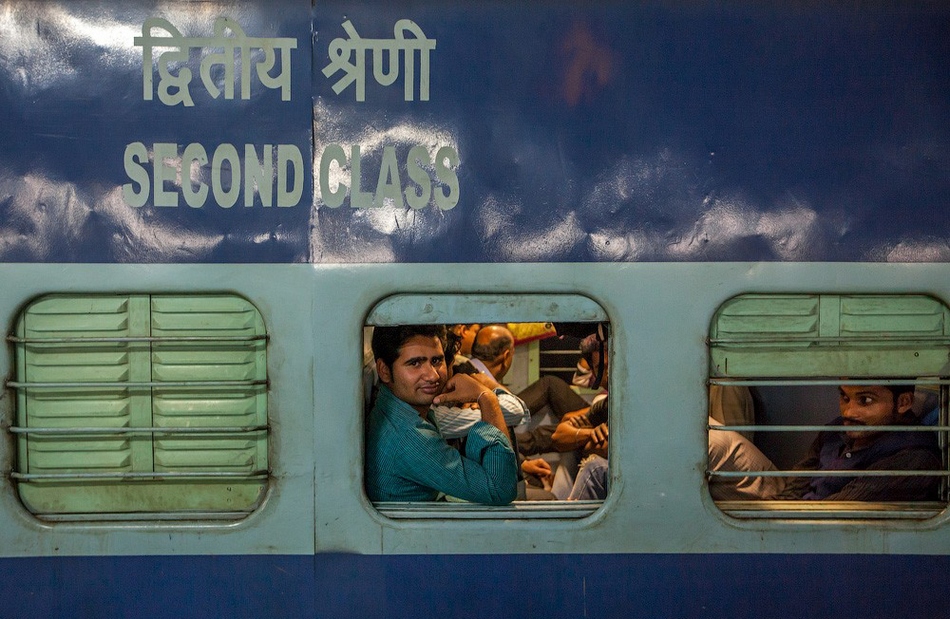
{"x": 493, "y": 351}
{"x": 728, "y": 451}
{"x": 593, "y": 349}
{"x": 456, "y": 421}
{"x": 587, "y": 430}
{"x": 592, "y": 481}
{"x": 466, "y": 334}
{"x": 553, "y": 392}
{"x": 731, "y": 451}
{"x": 461, "y": 337}
{"x": 732, "y": 406}
{"x": 546, "y": 392}
{"x": 865, "y": 450}
{"x": 584, "y": 429}
{"x": 406, "y": 457}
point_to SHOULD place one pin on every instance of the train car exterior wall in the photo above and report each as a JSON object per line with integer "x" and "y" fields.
{"x": 316, "y": 159}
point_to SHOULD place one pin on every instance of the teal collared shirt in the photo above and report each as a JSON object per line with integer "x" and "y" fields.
{"x": 408, "y": 460}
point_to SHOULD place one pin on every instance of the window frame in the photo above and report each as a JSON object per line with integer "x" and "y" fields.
{"x": 486, "y": 308}
{"x": 848, "y": 350}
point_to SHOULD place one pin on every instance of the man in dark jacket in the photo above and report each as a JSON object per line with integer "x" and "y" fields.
{"x": 858, "y": 447}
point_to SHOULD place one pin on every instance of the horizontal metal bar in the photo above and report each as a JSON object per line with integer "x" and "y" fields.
{"x": 827, "y": 428}
{"x": 134, "y": 384}
{"x": 182, "y": 516}
{"x": 142, "y": 338}
{"x": 838, "y": 510}
{"x": 830, "y": 473}
{"x": 133, "y": 476}
{"x": 837, "y": 339}
{"x": 139, "y": 430}
{"x": 816, "y": 382}
{"x": 519, "y": 510}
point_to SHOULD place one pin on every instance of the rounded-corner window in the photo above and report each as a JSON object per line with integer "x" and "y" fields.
{"x": 486, "y": 405}
{"x": 829, "y": 406}
{"x": 140, "y": 406}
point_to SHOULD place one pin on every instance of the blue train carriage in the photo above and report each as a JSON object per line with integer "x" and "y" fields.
{"x": 204, "y": 206}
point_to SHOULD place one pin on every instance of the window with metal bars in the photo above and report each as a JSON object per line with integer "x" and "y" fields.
{"x": 148, "y": 405}
{"x": 829, "y": 405}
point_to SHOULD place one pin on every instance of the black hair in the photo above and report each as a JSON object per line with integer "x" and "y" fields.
{"x": 388, "y": 340}
{"x": 897, "y": 390}
{"x": 453, "y": 343}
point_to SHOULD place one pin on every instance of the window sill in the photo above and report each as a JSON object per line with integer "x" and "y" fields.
{"x": 520, "y": 510}
{"x": 832, "y": 510}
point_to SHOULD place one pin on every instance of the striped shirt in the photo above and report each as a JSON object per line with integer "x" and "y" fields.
{"x": 457, "y": 422}
{"x": 407, "y": 459}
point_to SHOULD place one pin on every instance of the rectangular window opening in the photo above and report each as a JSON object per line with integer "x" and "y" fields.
{"x": 524, "y": 369}
{"x": 140, "y": 406}
{"x": 829, "y": 406}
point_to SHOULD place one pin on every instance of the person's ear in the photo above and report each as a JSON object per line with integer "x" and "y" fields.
{"x": 384, "y": 372}
{"x": 904, "y": 402}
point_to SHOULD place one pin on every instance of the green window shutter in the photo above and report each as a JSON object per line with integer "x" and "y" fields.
{"x": 809, "y": 335}
{"x": 211, "y": 407}
{"x": 59, "y": 318}
{"x": 192, "y": 364}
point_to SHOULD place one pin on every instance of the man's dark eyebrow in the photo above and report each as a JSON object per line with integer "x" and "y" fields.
{"x": 433, "y": 358}
{"x": 859, "y": 393}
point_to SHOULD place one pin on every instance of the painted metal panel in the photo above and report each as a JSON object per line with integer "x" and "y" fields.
{"x": 669, "y": 131}
{"x": 531, "y": 132}
{"x": 106, "y": 106}
{"x": 345, "y": 586}
{"x": 407, "y": 308}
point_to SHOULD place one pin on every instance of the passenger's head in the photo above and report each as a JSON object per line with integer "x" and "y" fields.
{"x": 466, "y": 334}
{"x": 594, "y": 352}
{"x": 495, "y": 347}
{"x": 453, "y": 344}
{"x": 874, "y": 405}
{"x": 410, "y": 360}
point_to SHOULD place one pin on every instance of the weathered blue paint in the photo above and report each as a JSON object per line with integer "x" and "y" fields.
{"x": 553, "y": 586}
{"x": 617, "y": 132}
{"x": 71, "y": 100}
{"x": 671, "y": 131}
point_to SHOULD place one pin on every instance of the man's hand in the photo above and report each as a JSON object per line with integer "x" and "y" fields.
{"x": 580, "y": 421}
{"x": 537, "y": 467}
{"x": 461, "y": 389}
{"x": 598, "y": 440}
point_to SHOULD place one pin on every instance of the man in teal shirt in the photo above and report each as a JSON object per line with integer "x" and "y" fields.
{"x": 406, "y": 457}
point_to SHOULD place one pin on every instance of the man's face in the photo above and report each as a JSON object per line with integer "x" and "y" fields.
{"x": 468, "y": 338}
{"x": 418, "y": 374}
{"x": 872, "y": 406}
